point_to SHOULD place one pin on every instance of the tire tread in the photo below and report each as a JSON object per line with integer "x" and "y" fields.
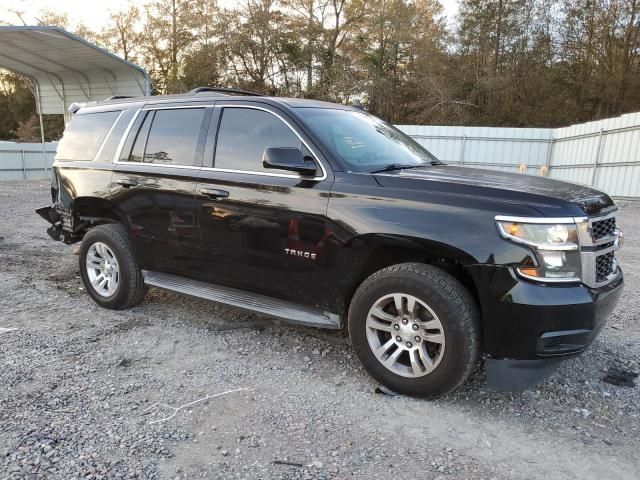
{"x": 136, "y": 288}
{"x": 449, "y": 286}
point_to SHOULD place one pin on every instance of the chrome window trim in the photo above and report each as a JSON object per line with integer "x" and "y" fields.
{"x": 125, "y": 135}
{"x": 118, "y": 153}
{"x": 158, "y": 165}
{"x": 99, "y": 152}
{"x": 269, "y": 174}
{"x": 264, "y": 174}
{"x": 175, "y": 107}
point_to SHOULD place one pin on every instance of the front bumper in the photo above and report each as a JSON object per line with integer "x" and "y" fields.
{"x": 537, "y": 324}
{"x": 514, "y": 375}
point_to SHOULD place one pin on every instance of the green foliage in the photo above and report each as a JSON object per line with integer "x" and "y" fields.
{"x": 17, "y": 105}
{"x": 502, "y": 62}
{"x": 18, "y": 120}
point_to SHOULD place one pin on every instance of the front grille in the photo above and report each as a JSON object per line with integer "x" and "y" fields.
{"x": 599, "y": 240}
{"x": 603, "y": 228}
{"x": 604, "y": 266}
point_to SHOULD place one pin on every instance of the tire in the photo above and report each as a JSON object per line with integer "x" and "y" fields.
{"x": 444, "y": 318}
{"x": 124, "y": 287}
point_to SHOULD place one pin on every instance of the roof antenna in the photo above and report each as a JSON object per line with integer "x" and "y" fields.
{"x": 357, "y": 104}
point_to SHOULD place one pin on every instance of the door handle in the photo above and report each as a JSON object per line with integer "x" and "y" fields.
{"x": 214, "y": 193}
{"x": 127, "y": 182}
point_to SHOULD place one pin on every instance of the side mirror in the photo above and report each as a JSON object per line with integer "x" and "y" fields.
{"x": 288, "y": 158}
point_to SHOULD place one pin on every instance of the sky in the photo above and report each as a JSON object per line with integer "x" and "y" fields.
{"x": 93, "y": 12}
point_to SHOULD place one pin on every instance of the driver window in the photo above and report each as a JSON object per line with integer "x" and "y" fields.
{"x": 245, "y": 133}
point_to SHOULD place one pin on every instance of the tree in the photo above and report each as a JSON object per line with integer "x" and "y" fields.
{"x": 166, "y": 37}
{"x": 49, "y": 17}
{"x": 252, "y": 37}
{"x": 121, "y": 33}
{"x": 505, "y": 62}
{"x": 601, "y": 55}
{"x": 396, "y": 45}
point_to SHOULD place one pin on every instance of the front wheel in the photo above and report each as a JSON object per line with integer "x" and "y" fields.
{"x": 109, "y": 269}
{"x": 416, "y": 329}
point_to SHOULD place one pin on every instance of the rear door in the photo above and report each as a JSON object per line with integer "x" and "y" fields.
{"x": 154, "y": 182}
{"x": 265, "y": 230}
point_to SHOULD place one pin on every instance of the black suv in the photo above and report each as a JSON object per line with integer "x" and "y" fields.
{"x": 321, "y": 214}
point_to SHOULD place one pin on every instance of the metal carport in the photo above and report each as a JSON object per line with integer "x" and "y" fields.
{"x": 65, "y": 68}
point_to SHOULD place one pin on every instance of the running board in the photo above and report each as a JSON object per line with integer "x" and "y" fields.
{"x": 272, "y": 307}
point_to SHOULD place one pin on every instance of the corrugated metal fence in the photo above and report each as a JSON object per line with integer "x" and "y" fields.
{"x": 604, "y": 153}
{"x": 22, "y": 161}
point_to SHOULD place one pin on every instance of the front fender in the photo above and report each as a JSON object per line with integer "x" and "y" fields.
{"x": 463, "y": 226}
{"x": 367, "y": 221}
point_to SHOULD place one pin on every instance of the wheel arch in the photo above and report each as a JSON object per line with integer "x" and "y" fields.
{"x": 385, "y": 250}
{"x": 91, "y": 211}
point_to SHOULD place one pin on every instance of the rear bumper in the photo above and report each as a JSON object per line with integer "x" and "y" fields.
{"x": 528, "y": 327}
{"x": 51, "y": 216}
{"x": 61, "y": 224}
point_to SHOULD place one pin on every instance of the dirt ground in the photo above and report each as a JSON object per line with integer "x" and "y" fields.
{"x": 79, "y": 387}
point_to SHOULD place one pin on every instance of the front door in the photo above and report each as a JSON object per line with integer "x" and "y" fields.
{"x": 154, "y": 181}
{"x": 261, "y": 229}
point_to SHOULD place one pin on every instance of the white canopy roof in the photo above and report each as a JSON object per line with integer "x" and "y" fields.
{"x": 66, "y": 68}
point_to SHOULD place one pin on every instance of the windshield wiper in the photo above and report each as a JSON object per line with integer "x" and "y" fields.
{"x": 399, "y": 166}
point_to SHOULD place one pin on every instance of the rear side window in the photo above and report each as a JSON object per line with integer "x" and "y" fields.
{"x": 84, "y": 135}
{"x": 244, "y": 135}
{"x": 167, "y": 137}
{"x": 173, "y": 136}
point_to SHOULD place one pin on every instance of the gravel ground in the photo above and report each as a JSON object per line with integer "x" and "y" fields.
{"x": 79, "y": 387}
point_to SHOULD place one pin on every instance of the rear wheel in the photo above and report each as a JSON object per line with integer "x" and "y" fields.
{"x": 415, "y": 328}
{"x": 108, "y": 267}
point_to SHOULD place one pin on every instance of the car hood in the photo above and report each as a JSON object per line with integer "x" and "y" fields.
{"x": 525, "y": 189}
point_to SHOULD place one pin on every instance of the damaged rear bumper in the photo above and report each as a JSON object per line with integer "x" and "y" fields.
{"x": 61, "y": 223}
{"x": 51, "y": 216}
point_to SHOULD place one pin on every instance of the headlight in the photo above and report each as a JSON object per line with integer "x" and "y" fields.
{"x": 555, "y": 246}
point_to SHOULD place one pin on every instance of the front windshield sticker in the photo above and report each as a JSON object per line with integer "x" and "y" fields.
{"x": 353, "y": 143}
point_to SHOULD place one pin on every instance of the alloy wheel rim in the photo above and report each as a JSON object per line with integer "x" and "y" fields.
{"x": 103, "y": 269}
{"x": 405, "y": 335}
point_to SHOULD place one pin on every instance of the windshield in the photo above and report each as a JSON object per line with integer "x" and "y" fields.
{"x": 364, "y": 142}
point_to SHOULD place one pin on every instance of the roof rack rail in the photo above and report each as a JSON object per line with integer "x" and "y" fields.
{"x": 118, "y": 97}
{"x": 195, "y": 91}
